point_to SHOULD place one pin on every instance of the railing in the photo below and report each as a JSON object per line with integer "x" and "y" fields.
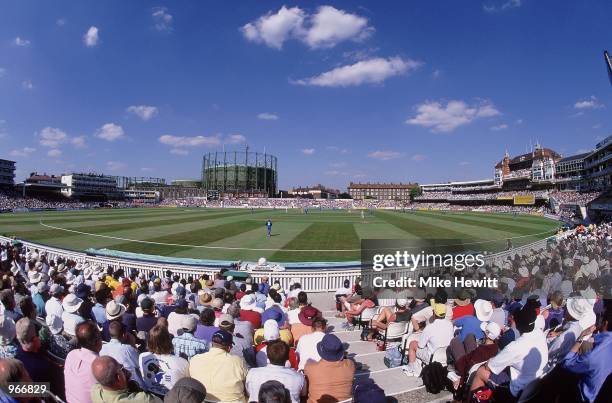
{"x": 314, "y": 280}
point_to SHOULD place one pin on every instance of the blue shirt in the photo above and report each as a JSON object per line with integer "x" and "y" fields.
{"x": 469, "y": 324}
{"x": 38, "y": 300}
{"x": 593, "y": 367}
{"x": 125, "y": 355}
{"x": 99, "y": 313}
{"x": 269, "y": 224}
{"x": 189, "y": 345}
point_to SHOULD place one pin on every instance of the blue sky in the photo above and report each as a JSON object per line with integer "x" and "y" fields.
{"x": 340, "y": 91}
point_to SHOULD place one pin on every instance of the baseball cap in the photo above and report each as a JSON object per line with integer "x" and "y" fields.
{"x": 439, "y": 309}
{"x": 223, "y": 338}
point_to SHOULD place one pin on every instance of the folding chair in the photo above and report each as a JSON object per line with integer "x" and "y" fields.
{"x": 394, "y": 331}
{"x": 365, "y": 317}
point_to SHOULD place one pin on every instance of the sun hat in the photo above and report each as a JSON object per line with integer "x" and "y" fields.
{"x": 401, "y": 302}
{"x": 189, "y": 323}
{"x": 588, "y": 319}
{"x": 578, "y": 307}
{"x": 205, "y": 298}
{"x": 114, "y": 310}
{"x": 248, "y": 302}
{"x": 439, "y": 310}
{"x": 273, "y": 313}
{"x": 222, "y": 337}
{"x": 42, "y": 287}
{"x": 330, "y": 348}
{"x": 61, "y": 268}
{"x": 491, "y": 329}
{"x": 226, "y": 320}
{"x": 56, "y": 289}
{"x": 186, "y": 390}
{"x": 307, "y": 314}
{"x": 271, "y": 331}
{"x": 71, "y": 303}
{"x": 38, "y": 265}
{"x": 523, "y": 271}
{"x": 484, "y": 310}
{"x": 55, "y": 323}
{"x": 217, "y": 303}
{"x": 34, "y": 277}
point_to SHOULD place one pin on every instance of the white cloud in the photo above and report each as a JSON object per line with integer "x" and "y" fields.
{"x": 519, "y": 121}
{"x": 508, "y": 4}
{"x": 331, "y": 26}
{"x": 337, "y": 164}
{"x": 54, "y": 153}
{"x": 115, "y": 165}
{"x": 144, "y": 112}
{"x": 146, "y": 169}
{"x": 308, "y": 151}
{"x": 78, "y": 142}
{"x": 499, "y": 127}
{"x": 385, "y": 155}
{"x": 2, "y": 72}
{"x": 370, "y": 71}
{"x": 27, "y": 85}
{"x": 22, "y": 42}
{"x": 179, "y": 151}
{"x": 110, "y": 132}
{"x": 91, "y": 37}
{"x": 418, "y": 157}
{"x": 60, "y": 22}
{"x": 22, "y": 152}
{"x": 275, "y": 29}
{"x": 235, "y": 139}
{"x": 268, "y": 116}
{"x": 446, "y": 118}
{"x": 181, "y": 141}
{"x": 52, "y": 137}
{"x": 162, "y": 20}
{"x": 436, "y": 73}
{"x": 464, "y": 163}
{"x": 589, "y": 103}
{"x": 325, "y": 28}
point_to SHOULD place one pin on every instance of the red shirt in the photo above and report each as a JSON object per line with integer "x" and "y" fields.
{"x": 460, "y": 311}
{"x": 251, "y": 316}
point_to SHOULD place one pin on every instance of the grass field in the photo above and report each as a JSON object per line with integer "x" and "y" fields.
{"x": 240, "y": 234}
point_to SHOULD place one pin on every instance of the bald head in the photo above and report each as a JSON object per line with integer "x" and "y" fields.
{"x": 109, "y": 373}
{"x": 12, "y": 370}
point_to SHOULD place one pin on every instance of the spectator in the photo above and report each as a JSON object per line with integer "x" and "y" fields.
{"x": 526, "y": 357}
{"x": 7, "y": 297}
{"x": 248, "y": 311}
{"x": 186, "y": 390}
{"x": 436, "y": 335}
{"x": 470, "y": 329}
{"x": 70, "y": 316}
{"x": 78, "y": 377}
{"x": 186, "y": 345}
{"x": 307, "y": 347}
{"x": 306, "y": 316}
{"x": 40, "y": 298}
{"x": 272, "y": 333}
{"x": 243, "y": 347}
{"x": 175, "y": 319}
{"x": 99, "y": 309}
{"x": 401, "y": 313}
{"x": 53, "y": 306}
{"x": 11, "y": 371}
{"x": 148, "y": 319}
{"x": 206, "y": 328}
{"x": 278, "y": 354}
{"x": 331, "y": 378}
{"x": 159, "y": 367}
{"x": 29, "y": 351}
{"x": 278, "y": 316}
{"x": 221, "y": 373}
{"x": 273, "y": 392}
{"x": 112, "y": 384}
{"x": 244, "y": 327}
{"x": 59, "y": 343}
{"x": 121, "y": 351}
{"x": 8, "y": 346}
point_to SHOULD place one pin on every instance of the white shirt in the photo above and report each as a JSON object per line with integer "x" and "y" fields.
{"x": 307, "y": 348}
{"x": 71, "y": 320}
{"x": 561, "y": 345}
{"x": 423, "y": 315}
{"x": 161, "y": 372}
{"x": 160, "y": 297}
{"x": 435, "y": 335}
{"x": 292, "y": 380}
{"x": 292, "y": 316}
{"x": 54, "y": 307}
{"x": 526, "y": 357}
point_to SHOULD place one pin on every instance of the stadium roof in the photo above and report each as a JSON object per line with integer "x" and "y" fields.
{"x": 574, "y": 157}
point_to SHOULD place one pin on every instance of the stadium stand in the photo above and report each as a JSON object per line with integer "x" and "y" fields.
{"x": 161, "y": 325}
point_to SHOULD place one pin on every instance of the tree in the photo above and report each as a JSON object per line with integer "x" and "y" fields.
{"x": 415, "y": 192}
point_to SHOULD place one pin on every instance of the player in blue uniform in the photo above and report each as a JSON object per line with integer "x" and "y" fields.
{"x": 269, "y": 227}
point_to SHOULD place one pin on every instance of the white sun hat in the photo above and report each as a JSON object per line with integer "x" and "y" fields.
{"x": 71, "y": 303}
{"x": 484, "y": 310}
